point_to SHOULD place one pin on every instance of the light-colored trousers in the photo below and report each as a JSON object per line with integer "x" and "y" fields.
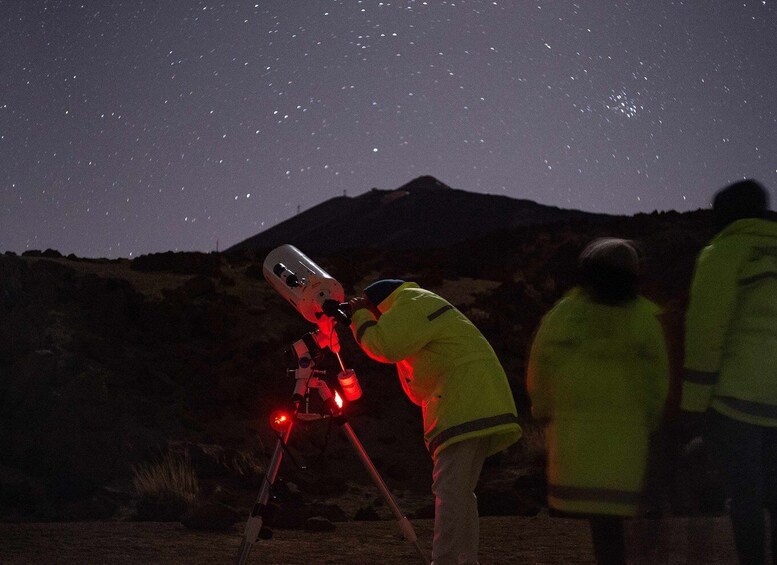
{"x": 456, "y": 522}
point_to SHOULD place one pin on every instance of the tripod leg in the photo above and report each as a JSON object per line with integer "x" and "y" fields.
{"x": 255, "y": 518}
{"x": 404, "y": 524}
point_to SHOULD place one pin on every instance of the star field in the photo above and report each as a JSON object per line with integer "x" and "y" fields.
{"x": 130, "y": 127}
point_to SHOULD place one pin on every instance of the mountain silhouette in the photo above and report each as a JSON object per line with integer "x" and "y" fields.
{"x": 422, "y": 213}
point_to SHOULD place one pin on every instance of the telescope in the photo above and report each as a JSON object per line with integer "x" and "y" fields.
{"x": 315, "y": 294}
{"x": 320, "y": 299}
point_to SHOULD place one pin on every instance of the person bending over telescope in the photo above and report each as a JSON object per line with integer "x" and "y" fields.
{"x": 449, "y": 369}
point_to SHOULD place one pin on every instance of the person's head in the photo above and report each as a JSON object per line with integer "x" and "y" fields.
{"x": 743, "y": 199}
{"x": 608, "y": 270}
{"x": 378, "y": 291}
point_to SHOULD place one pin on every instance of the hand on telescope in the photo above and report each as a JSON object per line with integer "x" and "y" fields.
{"x": 362, "y": 301}
{"x": 358, "y": 302}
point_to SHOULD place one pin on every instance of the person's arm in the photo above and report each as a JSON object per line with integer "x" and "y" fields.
{"x": 537, "y": 378}
{"x": 659, "y": 370}
{"x": 395, "y": 335}
{"x": 710, "y": 308}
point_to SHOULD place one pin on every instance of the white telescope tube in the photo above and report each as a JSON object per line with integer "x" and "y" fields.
{"x": 305, "y": 285}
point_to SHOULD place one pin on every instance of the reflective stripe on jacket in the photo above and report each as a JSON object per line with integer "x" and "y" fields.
{"x": 731, "y": 325}
{"x": 598, "y": 375}
{"x": 445, "y": 365}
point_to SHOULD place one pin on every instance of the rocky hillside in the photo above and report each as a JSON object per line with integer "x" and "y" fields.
{"x": 105, "y": 364}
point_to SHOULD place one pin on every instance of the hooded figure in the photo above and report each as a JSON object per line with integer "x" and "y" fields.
{"x": 598, "y": 376}
{"x": 449, "y": 369}
{"x": 731, "y": 359}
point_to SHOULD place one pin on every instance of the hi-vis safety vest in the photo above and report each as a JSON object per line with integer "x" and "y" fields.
{"x": 598, "y": 375}
{"x": 445, "y": 366}
{"x": 731, "y": 325}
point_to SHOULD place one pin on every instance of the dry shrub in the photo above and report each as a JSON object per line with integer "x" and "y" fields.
{"x": 478, "y": 316}
{"x": 246, "y": 464}
{"x": 166, "y": 487}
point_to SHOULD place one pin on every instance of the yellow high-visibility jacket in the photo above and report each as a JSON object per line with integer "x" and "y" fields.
{"x": 445, "y": 366}
{"x": 598, "y": 375}
{"x": 731, "y": 325}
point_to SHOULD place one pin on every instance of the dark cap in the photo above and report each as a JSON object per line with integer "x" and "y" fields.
{"x": 378, "y": 291}
{"x": 743, "y": 199}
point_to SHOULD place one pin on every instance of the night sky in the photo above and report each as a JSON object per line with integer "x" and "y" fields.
{"x": 130, "y": 127}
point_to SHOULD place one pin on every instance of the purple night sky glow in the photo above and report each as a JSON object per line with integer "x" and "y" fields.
{"x": 130, "y": 127}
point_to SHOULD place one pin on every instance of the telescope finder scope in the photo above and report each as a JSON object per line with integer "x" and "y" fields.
{"x": 282, "y": 272}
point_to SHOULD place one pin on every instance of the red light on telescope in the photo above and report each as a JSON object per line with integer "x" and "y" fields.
{"x": 280, "y": 420}
{"x": 338, "y": 400}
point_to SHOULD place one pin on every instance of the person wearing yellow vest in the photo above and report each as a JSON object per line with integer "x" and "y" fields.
{"x": 730, "y": 363}
{"x": 597, "y": 378}
{"x": 448, "y": 368}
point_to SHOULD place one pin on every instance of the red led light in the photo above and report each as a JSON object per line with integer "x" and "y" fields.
{"x": 280, "y": 420}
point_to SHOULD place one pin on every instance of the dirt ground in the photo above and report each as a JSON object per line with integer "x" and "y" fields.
{"x": 537, "y": 540}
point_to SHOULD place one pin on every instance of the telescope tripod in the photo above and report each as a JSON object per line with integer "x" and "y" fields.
{"x": 306, "y": 378}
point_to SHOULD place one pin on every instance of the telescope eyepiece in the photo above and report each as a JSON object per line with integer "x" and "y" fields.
{"x": 340, "y": 311}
